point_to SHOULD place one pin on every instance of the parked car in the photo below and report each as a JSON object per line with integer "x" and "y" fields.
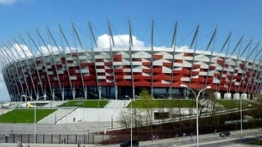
{"x": 224, "y": 134}
{"x": 135, "y": 143}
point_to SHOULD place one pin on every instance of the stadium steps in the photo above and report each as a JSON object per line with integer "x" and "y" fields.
{"x": 53, "y": 104}
{"x": 57, "y": 116}
{"x": 117, "y": 104}
{"x": 9, "y": 105}
{"x": 3, "y": 111}
{"x": 92, "y": 115}
{"x": 209, "y": 104}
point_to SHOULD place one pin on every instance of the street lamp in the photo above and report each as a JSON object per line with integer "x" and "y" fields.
{"x": 83, "y": 121}
{"x": 37, "y": 98}
{"x": 131, "y": 125}
{"x": 98, "y": 122}
{"x": 241, "y": 119}
{"x": 14, "y": 118}
{"x": 111, "y": 121}
{"x": 197, "y": 96}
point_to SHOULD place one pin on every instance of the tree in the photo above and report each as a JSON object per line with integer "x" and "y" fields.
{"x": 256, "y": 110}
{"x": 148, "y": 107}
{"x": 124, "y": 119}
{"x": 137, "y": 118}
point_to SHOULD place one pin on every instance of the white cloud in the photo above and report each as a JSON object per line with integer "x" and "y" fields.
{"x": 48, "y": 49}
{"x": 119, "y": 40}
{"x": 8, "y": 2}
{"x": 185, "y": 47}
{"x": 20, "y": 50}
{"x": 3, "y": 90}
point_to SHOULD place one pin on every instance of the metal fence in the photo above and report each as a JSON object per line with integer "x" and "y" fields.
{"x": 55, "y": 138}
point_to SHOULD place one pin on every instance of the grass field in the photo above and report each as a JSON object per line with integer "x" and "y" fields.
{"x": 228, "y": 104}
{"x": 86, "y": 103}
{"x": 25, "y": 115}
{"x": 174, "y": 103}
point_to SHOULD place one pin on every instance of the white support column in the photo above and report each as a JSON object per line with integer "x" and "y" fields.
{"x": 85, "y": 92}
{"x": 45, "y": 96}
{"x": 53, "y": 94}
{"x": 99, "y": 92}
{"x": 116, "y": 92}
{"x": 74, "y": 93}
{"x": 63, "y": 94}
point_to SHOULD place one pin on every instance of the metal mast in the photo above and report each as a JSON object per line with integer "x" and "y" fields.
{"x": 152, "y": 60}
{"x": 130, "y": 58}
{"x": 173, "y": 44}
{"x": 190, "y": 47}
{"x": 111, "y": 38}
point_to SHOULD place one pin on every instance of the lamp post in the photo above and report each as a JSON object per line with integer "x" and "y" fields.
{"x": 241, "y": 119}
{"x": 131, "y": 125}
{"x": 111, "y": 121}
{"x": 37, "y": 98}
{"x": 83, "y": 121}
{"x": 98, "y": 122}
{"x": 197, "y": 96}
{"x": 87, "y": 136}
{"x": 14, "y": 118}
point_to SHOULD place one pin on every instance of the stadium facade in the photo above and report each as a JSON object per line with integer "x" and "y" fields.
{"x": 118, "y": 71}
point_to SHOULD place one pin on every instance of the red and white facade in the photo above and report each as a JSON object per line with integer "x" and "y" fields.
{"x": 118, "y": 71}
{"x": 78, "y": 74}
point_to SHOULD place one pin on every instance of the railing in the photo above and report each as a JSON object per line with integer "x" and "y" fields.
{"x": 54, "y": 138}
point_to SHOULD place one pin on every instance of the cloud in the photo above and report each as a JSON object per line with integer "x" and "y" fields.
{"x": 21, "y": 50}
{"x": 8, "y": 2}
{"x": 3, "y": 90}
{"x": 119, "y": 40}
{"x": 16, "y": 51}
{"x": 49, "y": 49}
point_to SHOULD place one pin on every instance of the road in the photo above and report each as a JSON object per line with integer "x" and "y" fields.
{"x": 206, "y": 140}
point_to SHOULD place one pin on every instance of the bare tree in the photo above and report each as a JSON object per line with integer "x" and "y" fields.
{"x": 137, "y": 118}
{"x": 124, "y": 119}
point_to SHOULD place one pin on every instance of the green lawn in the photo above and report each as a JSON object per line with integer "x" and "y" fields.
{"x": 174, "y": 103}
{"x": 233, "y": 103}
{"x": 25, "y": 115}
{"x": 85, "y": 103}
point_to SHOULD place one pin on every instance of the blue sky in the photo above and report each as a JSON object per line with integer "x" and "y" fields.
{"x": 242, "y": 17}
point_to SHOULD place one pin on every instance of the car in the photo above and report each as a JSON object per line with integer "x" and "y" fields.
{"x": 135, "y": 143}
{"x": 224, "y": 134}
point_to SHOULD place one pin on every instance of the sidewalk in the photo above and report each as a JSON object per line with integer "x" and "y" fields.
{"x": 181, "y": 141}
{"x": 46, "y": 145}
{"x": 185, "y": 141}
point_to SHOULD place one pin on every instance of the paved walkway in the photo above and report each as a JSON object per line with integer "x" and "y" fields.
{"x": 46, "y": 145}
{"x": 170, "y": 142}
{"x": 204, "y": 140}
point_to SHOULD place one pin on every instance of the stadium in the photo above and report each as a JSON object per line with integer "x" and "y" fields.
{"x": 58, "y": 65}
